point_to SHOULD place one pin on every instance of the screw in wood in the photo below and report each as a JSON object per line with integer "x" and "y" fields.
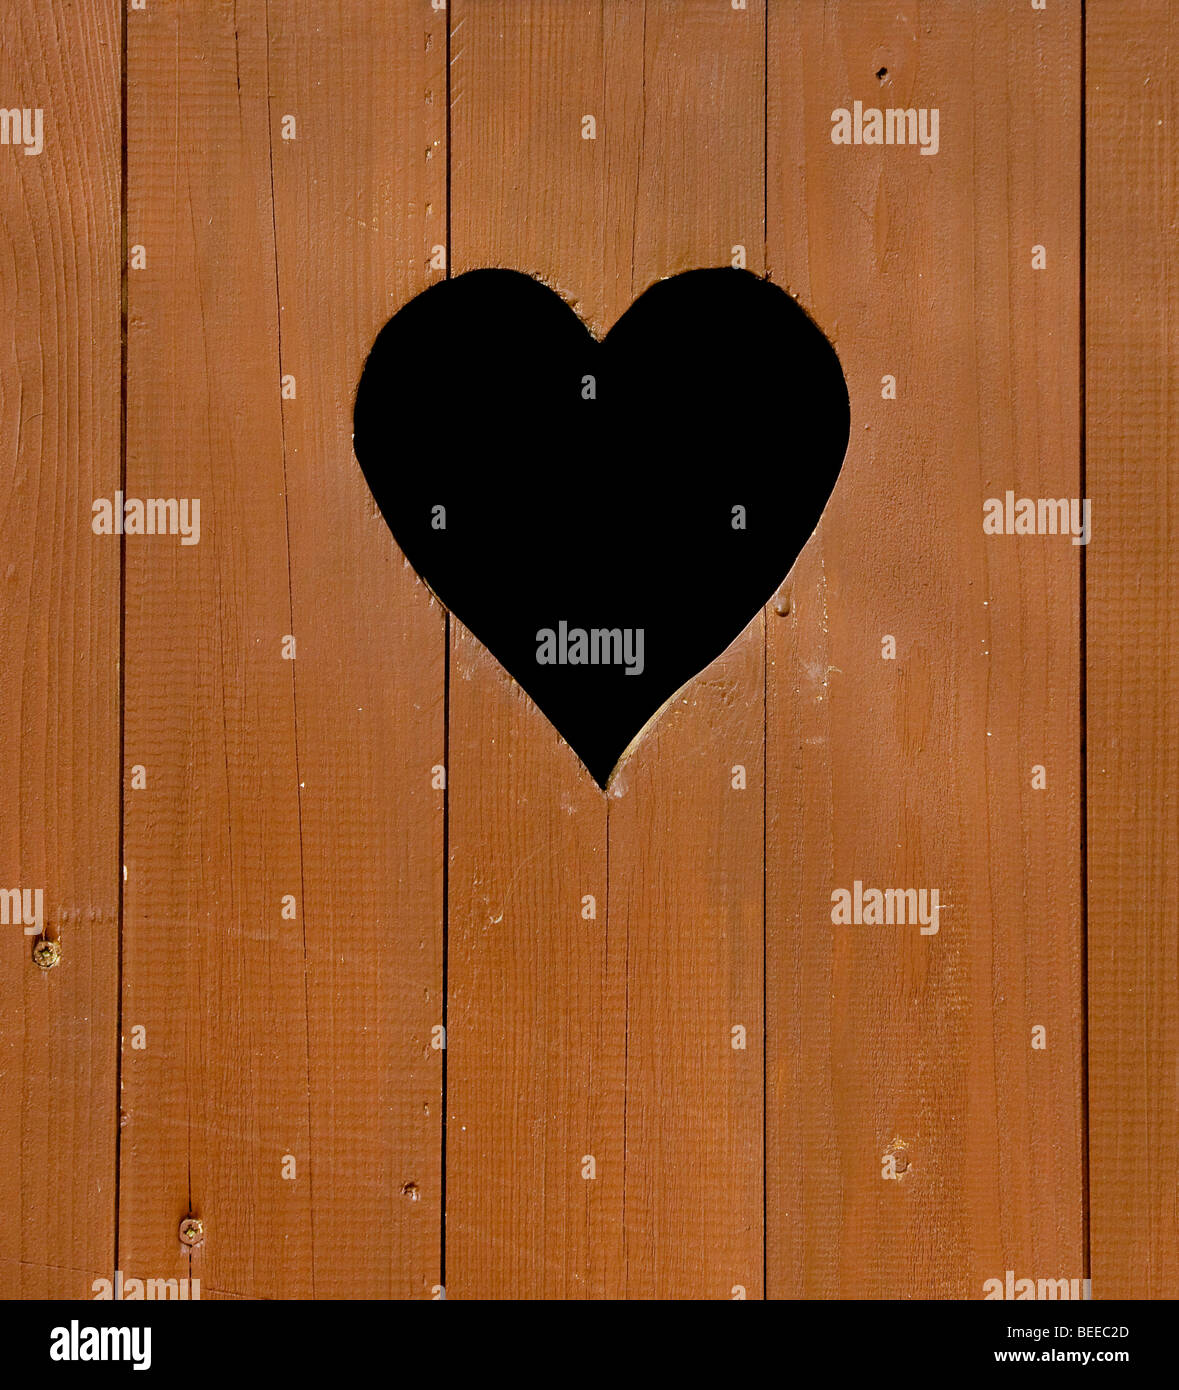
{"x": 46, "y": 953}
{"x": 192, "y": 1230}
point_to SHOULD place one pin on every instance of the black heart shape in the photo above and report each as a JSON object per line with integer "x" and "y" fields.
{"x": 594, "y": 484}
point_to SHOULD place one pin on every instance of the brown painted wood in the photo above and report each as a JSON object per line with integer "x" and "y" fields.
{"x": 685, "y": 845}
{"x": 39, "y": 1282}
{"x": 59, "y": 646}
{"x": 918, "y": 772}
{"x": 536, "y": 1036}
{"x": 360, "y": 200}
{"x": 549, "y": 1012}
{"x": 570, "y": 1037}
{"x": 212, "y": 843}
{"x": 1132, "y": 611}
{"x": 536, "y": 1044}
{"x": 686, "y": 878}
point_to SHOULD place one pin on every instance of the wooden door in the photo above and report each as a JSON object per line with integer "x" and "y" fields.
{"x": 318, "y": 870}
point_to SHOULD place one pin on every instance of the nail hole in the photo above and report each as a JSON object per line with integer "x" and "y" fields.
{"x": 410, "y": 1190}
{"x": 881, "y": 74}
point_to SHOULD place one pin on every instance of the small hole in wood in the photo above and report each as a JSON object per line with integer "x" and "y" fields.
{"x": 881, "y": 74}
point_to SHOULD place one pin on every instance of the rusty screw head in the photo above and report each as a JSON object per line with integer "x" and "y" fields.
{"x": 46, "y": 953}
{"x": 192, "y": 1230}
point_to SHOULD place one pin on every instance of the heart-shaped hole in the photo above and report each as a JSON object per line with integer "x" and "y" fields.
{"x": 605, "y": 517}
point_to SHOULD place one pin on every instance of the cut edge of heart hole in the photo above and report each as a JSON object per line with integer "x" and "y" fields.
{"x": 569, "y": 716}
{"x": 632, "y": 750}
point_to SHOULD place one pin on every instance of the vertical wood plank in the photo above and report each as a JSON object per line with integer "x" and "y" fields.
{"x": 212, "y": 971}
{"x": 1132, "y": 644}
{"x": 59, "y": 643}
{"x": 536, "y": 1038}
{"x": 542, "y": 1042}
{"x": 918, "y": 772}
{"x": 359, "y": 200}
{"x": 686, "y": 848}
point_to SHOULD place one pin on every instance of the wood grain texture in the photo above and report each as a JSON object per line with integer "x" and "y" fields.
{"x": 536, "y": 1037}
{"x": 212, "y": 843}
{"x": 359, "y": 201}
{"x": 718, "y": 1171}
{"x": 548, "y": 1010}
{"x": 918, "y": 772}
{"x": 686, "y": 879}
{"x": 59, "y": 646}
{"x": 1132, "y": 645}
{"x": 686, "y": 847}
{"x": 536, "y": 1042}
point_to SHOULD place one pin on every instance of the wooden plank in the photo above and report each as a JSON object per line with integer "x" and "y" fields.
{"x": 360, "y": 200}
{"x": 917, "y": 772}
{"x": 1132, "y": 625}
{"x": 536, "y": 1035}
{"x": 685, "y": 846}
{"x": 60, "y": 266}
{"x": 214, "y": 974}
{"x": 541, "y": 1040}
{"x": 535, "y": 1038}
{"x": 686, "y": 878}
{"x": 29, "y": 1282}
